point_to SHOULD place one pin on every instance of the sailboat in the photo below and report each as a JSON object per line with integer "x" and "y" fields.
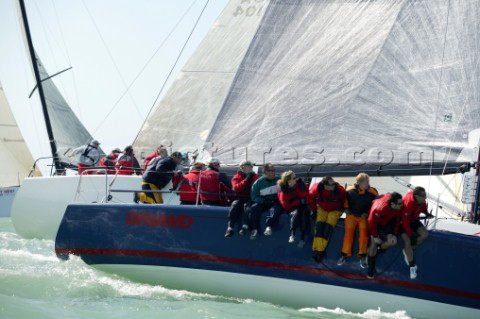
{"x": 45, "y": 198}
{"x": 325, "y": 88}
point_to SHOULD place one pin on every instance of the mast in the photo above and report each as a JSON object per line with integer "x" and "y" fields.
{"x": 53, "y": 146}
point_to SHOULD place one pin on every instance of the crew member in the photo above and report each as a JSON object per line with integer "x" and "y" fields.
{"x": 383, "y": 224}
{"x": 89, "y": 158}
{"x": 189, "y": 185}
{"x": 127, "y": 163}
{"x": 413, "y": 231}
{"x": 327, "y": 200}
{"x": 242, "y": 184}
{"x": 293, "y": 196}
{"x": 158, "y": 174}
{"x": 215, "y": 187}
{"x": 359, "y": 201}
{"x": 265, "y": 199}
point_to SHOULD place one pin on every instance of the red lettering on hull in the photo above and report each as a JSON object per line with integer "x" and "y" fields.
{"x": 159, "y": 220}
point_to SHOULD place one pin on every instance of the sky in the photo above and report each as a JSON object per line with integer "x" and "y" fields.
{"x": 120, "y": 51}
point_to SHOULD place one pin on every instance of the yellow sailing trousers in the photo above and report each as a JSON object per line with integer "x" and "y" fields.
{"x": 351, "y": 223}
{"x": 150, "y": 198}
{"x": 324, "y": 225}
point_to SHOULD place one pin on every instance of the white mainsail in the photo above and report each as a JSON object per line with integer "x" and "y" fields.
{"x": 393, "y": 84}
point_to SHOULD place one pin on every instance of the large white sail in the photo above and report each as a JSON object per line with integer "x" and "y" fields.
{"x": 347, "y": 85}
{"x": 185, "y": 115}
{"x": 15, "y": 158}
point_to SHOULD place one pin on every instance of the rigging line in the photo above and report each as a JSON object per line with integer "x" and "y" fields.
{"x": 47, "y": 31}
{"x": 438, "y": 94}
{"x": 111, "y": 57}
{"x": 62, "y": 37}
{"x": 145, "y": 66}
{"x": 173, "y": 67}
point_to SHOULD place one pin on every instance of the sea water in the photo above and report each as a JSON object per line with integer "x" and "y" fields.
{"x": 35, "y": 284}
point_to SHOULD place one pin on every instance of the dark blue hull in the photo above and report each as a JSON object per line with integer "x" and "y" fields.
{"x": 192, "y": 238}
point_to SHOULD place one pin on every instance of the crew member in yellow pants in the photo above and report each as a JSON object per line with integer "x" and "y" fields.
{"x": 150, "y": 198}
{"x": 324, "y": 225}
{"x": 159, "y": 173}
{"x": 327, "y": 200}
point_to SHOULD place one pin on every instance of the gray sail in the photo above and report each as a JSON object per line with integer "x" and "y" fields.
{"x": 182, "y": 120}
{"x": 344, "y": 86}
{"x": 68, "y": 131}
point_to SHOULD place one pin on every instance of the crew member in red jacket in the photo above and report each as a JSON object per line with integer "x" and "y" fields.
{"x": 414, "y": 233}
{"x": 242, "y": 184}
{"x": 189, "y": 185}
{"x": 383, "y": 224}
{"x": 215, "y": 186}
{"x": 293, "y": 196}
{"x": 127, "y": 163}
{"x": 326, "y": 199}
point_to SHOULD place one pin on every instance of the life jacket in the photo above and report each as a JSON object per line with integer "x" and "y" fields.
{"x": 87, "y": 151}
{"x": 291, "y": 198}
{"x": 189, "y": 186}
{"x": 411, "y": 211}
{"x": 330, "y": 200}
{"x": 110, "y": 160}
{"x": 381, "y": 214}
{"x": 124, "y": 165}
{"x": 241, "y": 186}
{"x": 360, "y": 201}
{"x": 210, "y": 186}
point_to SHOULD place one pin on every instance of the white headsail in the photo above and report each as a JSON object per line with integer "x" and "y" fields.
{"x": 182, "y": 120}
{"x": 15, "y": 158}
